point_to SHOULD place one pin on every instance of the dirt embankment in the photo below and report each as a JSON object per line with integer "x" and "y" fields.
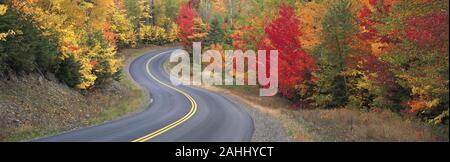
{"x": 32, "y": 106}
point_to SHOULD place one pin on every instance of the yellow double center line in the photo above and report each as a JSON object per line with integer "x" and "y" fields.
{"x": 179, "y": 121}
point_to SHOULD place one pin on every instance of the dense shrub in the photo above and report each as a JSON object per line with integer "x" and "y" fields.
{"x": 24, "y": 48}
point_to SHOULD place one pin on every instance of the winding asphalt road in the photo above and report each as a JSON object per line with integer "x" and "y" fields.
{"x": 176, "y": 113}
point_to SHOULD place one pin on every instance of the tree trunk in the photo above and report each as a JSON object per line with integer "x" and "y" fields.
{"x": 152, "y": 12}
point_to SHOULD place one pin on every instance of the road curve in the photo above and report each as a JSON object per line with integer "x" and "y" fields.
{"x": 170, "y": 117}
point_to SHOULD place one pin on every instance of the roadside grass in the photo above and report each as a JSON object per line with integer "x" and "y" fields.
{"x": 340, "y": 124}
{"x": 28, "y": 132}
{"x": 32, "y": 107}
{"x": 344, "y": 124}
{"x": 120, "y": 105}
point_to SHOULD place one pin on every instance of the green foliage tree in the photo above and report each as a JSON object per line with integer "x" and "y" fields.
{"x": 216, "y": 34}
{"x": 68, "y": 71}
{"x": 23, "y": 47}
{"x": 339, "y": 29}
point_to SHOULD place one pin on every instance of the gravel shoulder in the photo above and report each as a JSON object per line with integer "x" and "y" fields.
{"x": 267, "y": 127}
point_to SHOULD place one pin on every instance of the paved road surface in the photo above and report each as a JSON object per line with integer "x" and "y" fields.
{"x": 177, "y": 113}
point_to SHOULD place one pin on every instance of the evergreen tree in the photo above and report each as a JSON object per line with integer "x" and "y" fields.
{"x": 338, "y": 30}
{"x": 216, "y": 35}
{"x": 23, "y": 47}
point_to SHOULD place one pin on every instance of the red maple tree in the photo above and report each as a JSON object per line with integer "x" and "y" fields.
{"x": 185, "y": 21}
{"x": 428, "y": 31}
{"x": 371, "y": 15}
{"x": 295, "y": 65}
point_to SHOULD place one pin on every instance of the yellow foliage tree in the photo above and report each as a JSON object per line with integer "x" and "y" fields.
{"x": 311, "y": 15}
{"x": 200, "y": 30}
{"x": 150, "y": 34}
{"x": 172, "y": 33}
{"x": 123, "y": 28}
{"x": 73, "y": 23}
